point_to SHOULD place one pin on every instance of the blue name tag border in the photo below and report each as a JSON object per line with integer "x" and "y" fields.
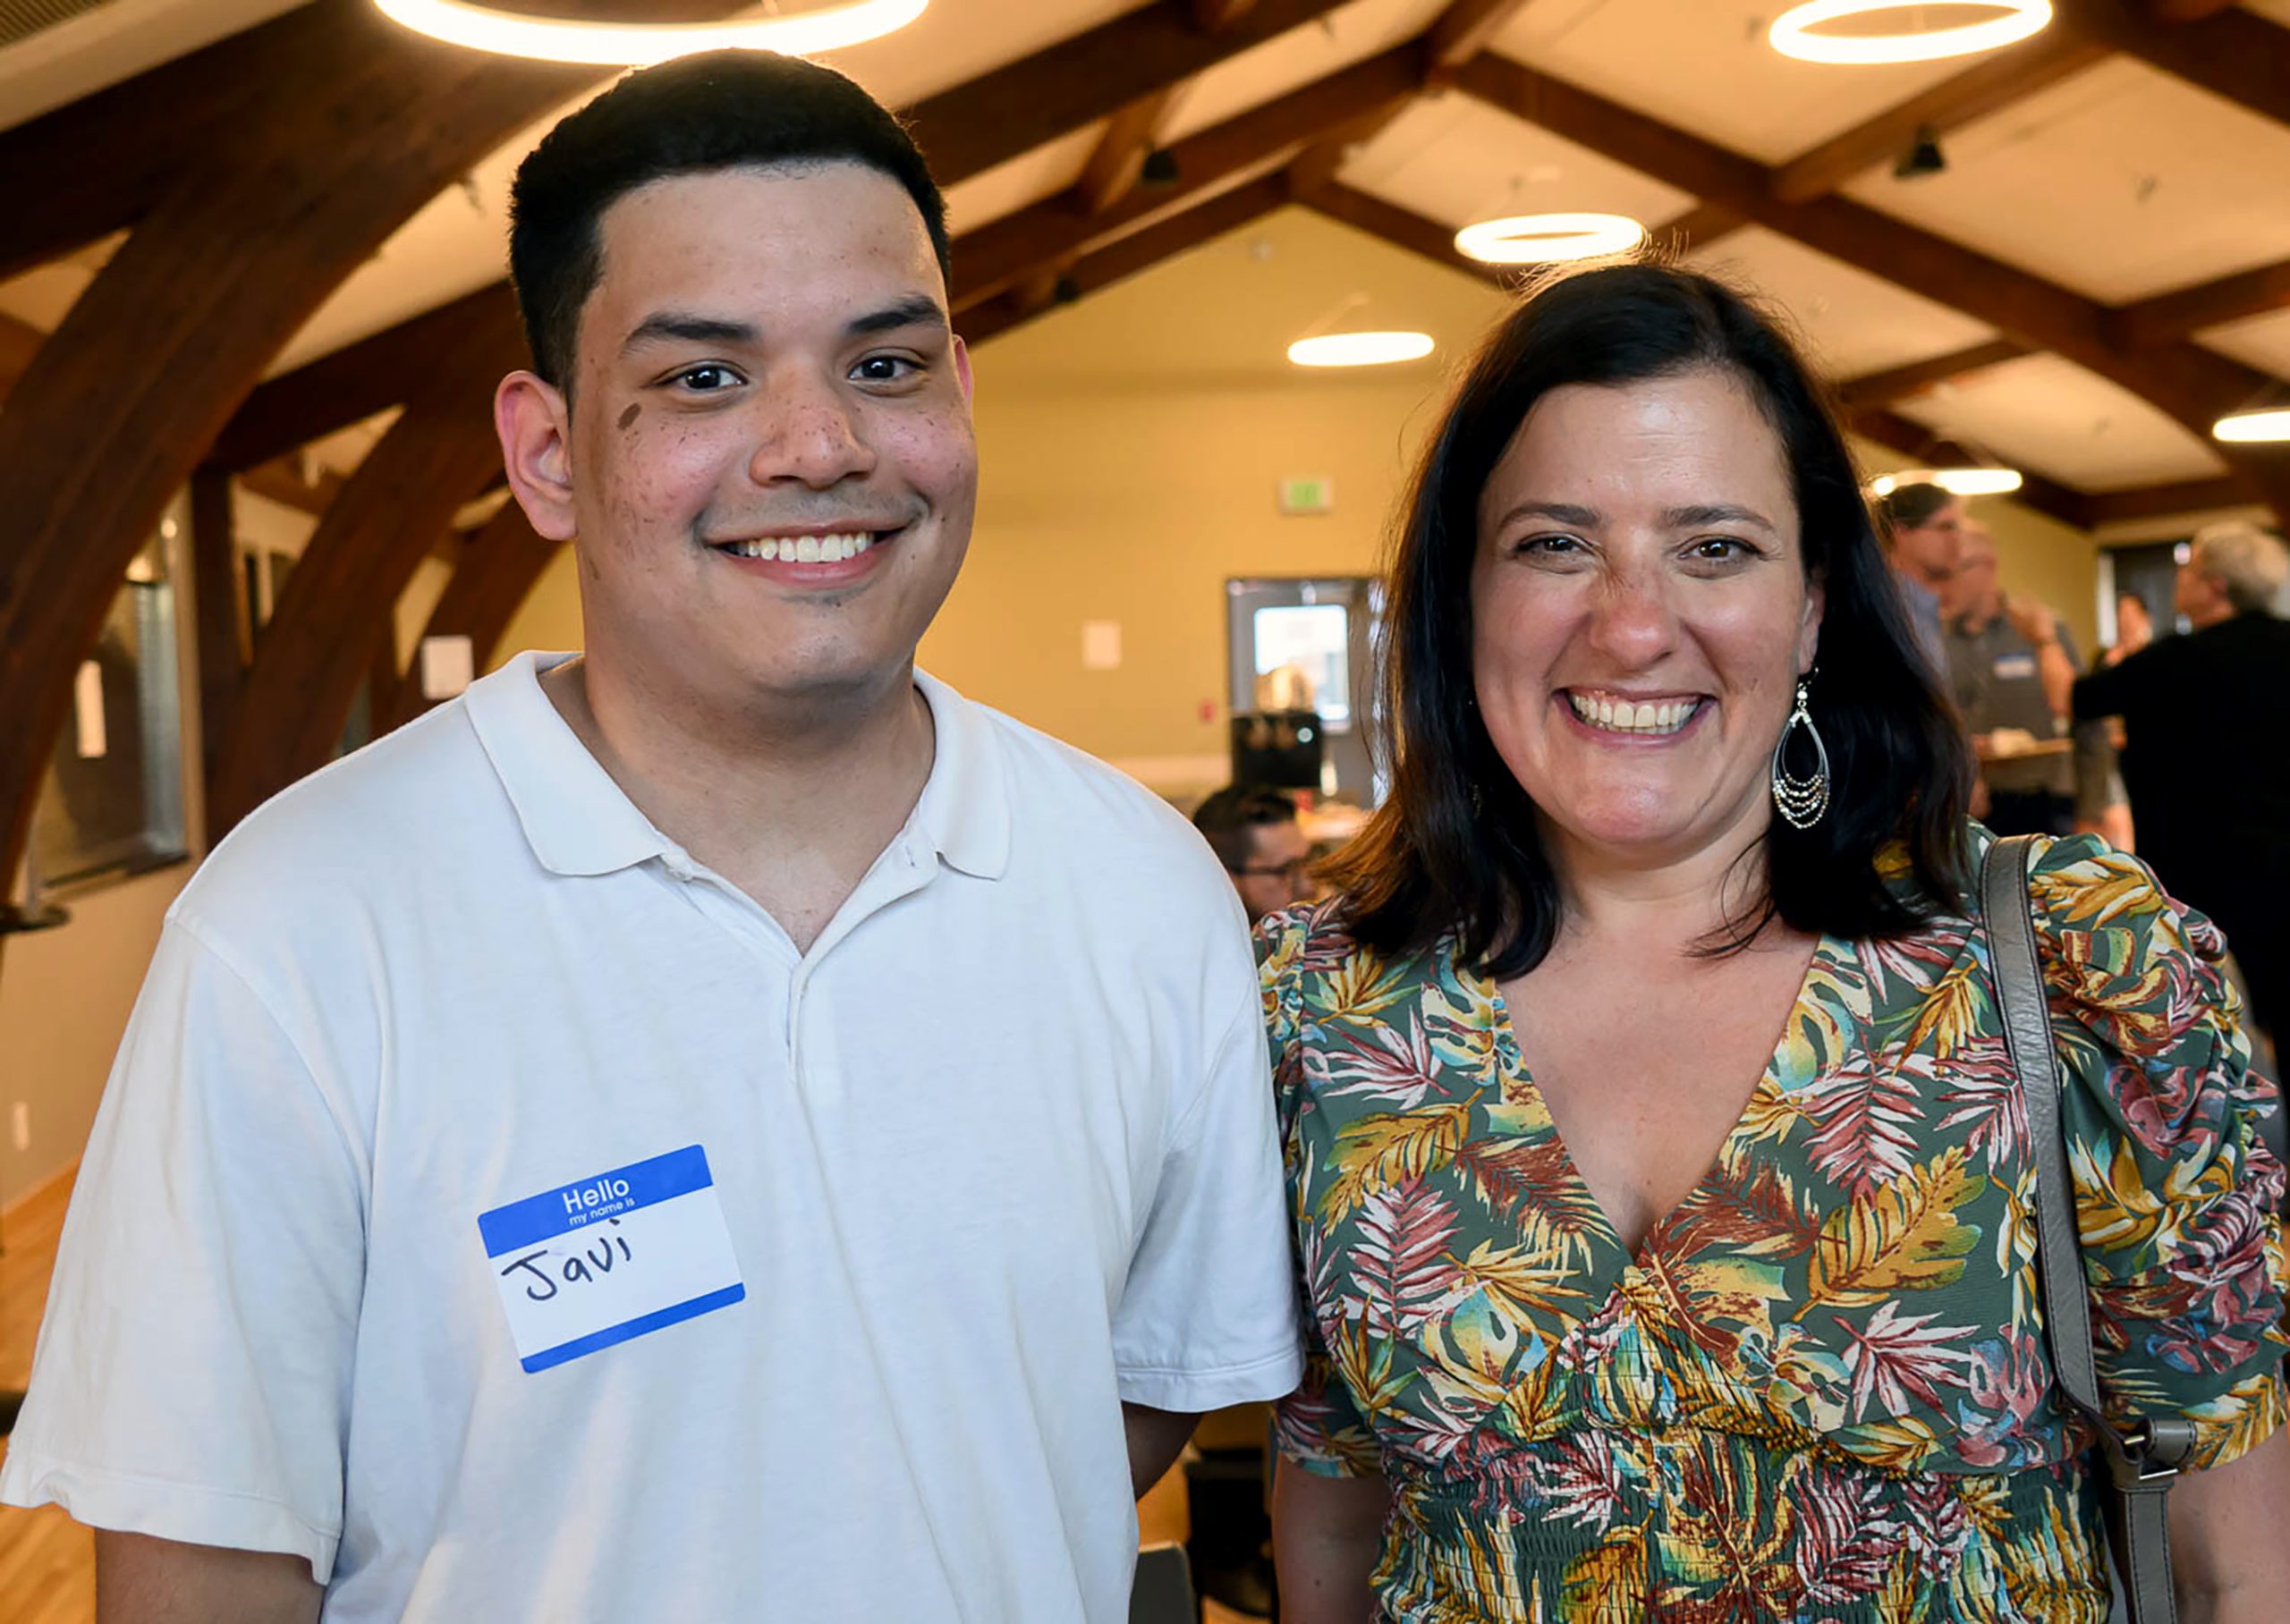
{"x": 566, "y": 1208}
{"x": 548, "y": 1358}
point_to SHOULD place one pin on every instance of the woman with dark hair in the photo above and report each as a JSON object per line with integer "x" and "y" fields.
{"x": 1658, "y": 1172}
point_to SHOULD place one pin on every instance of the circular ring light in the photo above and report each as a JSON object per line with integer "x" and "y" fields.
{"x": 1359, "y": 349}
{"x": 1792, "y": 32}
{"x": 2253, "y": 427}
{"x": 1958, "y": 481}
{"x": 641, "y": 44}
{"x": 1547, "y": 239}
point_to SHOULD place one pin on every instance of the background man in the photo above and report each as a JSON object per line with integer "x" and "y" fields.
{"x": 2011, "y": 665}
{"x": 1255, "y": 834}
{"x": 2205, "y": 717}
{"x": 1922, "y": 526}
{"x": 720, "y": 1127}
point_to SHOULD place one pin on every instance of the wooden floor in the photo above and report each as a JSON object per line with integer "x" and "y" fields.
{"x": 48, "y": 1573}
{"x": 48, "y": 1562}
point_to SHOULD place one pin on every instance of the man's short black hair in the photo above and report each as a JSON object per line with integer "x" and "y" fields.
{"x": 723, "y": 110}
{"x": 1226, "y": 818}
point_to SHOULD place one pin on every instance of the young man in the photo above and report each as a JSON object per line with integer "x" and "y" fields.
{"x": 2204, "y": 718}
{"x": 718, "y": 1128}
{"x": 1922, "y": 526}
{"x": 1255, "y": 834}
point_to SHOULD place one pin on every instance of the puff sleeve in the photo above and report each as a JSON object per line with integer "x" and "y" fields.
{"x": 2177, "y": 1197}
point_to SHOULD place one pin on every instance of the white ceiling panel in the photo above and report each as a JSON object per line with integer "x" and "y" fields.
{"x": 114, "y": 42}
{"x": 1347, "y": 35}
{"x": 1456, "y": 159}
{"x": 1851, "y": 323}
{"x": 2262, "y": 341}
{"x": 2119, "y": 183}
{"x": 1704, "y": 65}
{"x": 2052, "y": 417}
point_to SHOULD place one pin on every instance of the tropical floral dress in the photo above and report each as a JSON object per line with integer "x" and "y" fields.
{"x": 1820, "y": 1391}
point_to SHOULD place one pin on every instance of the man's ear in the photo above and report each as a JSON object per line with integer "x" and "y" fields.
{"x": 962, "y": 371}
{"x": 534, "y": 422}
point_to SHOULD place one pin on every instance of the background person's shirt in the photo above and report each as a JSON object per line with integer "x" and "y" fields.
{"x": 1998, "y": 681}
{"x": 995, "y": 1156}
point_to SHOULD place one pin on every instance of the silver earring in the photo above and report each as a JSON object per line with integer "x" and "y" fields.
{"x": 1801, "y": 800}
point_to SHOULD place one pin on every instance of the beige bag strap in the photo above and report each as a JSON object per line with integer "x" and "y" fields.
{"x": 2142, "y": 1461}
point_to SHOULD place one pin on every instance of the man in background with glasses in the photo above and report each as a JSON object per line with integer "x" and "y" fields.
{"x": 1254, "y": 832}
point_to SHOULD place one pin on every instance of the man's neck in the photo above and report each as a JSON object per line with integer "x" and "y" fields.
{"x": 790, "y": 804}
{"x": 2217, "y": 614}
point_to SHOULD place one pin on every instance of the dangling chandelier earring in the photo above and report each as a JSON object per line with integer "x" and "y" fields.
{"x": 1801, "y": 800}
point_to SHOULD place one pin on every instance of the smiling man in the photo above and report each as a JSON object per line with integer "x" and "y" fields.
{"x": 718, "y": 1128}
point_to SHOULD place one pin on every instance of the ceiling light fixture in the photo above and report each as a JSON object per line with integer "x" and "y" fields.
{"x": 1359, "y": 349}
{"x": 641, "y": 44}
{"x": 2257, "y": 427}
{"x": 1793, "y": 32}
{"x": 1547, "y": 239}
{"x": 1961, "y": 481}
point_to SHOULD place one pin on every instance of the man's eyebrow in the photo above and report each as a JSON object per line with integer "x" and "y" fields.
{"x": 684, "y": 327}
{"x": 920, "y": 310}
{"x": 1716, "y": 512}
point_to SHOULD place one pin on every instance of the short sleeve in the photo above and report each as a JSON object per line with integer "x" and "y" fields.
{"x": 1208, "y": 1314}
{"x": 193, "y": 1368}
{"x": 2178, "y": 1198}
{"x": 1318, "y": 1427}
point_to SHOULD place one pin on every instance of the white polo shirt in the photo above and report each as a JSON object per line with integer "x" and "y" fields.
{"x": 490, "y": 1205}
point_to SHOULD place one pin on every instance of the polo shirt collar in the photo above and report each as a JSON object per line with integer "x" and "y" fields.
{"x": 964, "y": 810}
{"x": 579, "y": 822}
{"x": 576, "y": 818}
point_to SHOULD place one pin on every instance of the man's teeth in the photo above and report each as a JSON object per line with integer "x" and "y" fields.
{"x": 806, "y": 549}
{"x": 1624, "y": 716}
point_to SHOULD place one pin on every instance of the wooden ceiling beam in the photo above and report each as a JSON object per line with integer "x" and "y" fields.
{"x": 1700, "y": 226}
{"x": 121, "y": 401}
{"x": 965, "y": 131}
{"x": 2234, "y": 55}
{"x": 336, "y": 614}
{"x": 2165, "y": 316}
{"x": 1140, "y": 250}
{"x": 2185, "y": 11}
{"x": 1117, "y": 163}
{"x": 1404, "y": 228}
{"x": 1913, "y": 440}
{"x": 281, "y": 480}
{"x": 1871, "y": 390}
{"x": 2164, "y": 501}
{"x": 997, "y": 256}
{"x": 1011, "y": 110}
{"x": 18, "y": 341}
{"x": 1997, "y": 81}
{"x": 2189, "y": 385}
{"x": 1215, "y": 16}
{"x": 1467, "y": 27}
{"x": 357, "y": 381}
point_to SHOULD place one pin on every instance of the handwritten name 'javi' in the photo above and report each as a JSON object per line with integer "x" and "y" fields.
{"x": 577, "y": 1270}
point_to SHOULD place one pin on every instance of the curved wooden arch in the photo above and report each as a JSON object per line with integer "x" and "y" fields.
{"x": 334, "y": 617}
{"x": 497, "y": 569}
{"x": 118, "y": 405}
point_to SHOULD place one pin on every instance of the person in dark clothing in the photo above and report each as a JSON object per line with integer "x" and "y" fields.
{"x": 2206, "y": 751}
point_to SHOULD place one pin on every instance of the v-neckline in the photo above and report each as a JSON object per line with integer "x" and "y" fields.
{"x": 1520, "y": 1079}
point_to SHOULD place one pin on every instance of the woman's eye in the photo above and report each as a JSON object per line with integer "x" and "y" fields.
{"x": 1548, "y": 547}
{"x": 1718, "y": 549}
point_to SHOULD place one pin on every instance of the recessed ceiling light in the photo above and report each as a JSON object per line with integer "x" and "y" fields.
{"x": 1547, "y": 239}
{"x": 1959, "y": 481}
{"x": 2253, "y": 427}
{"x": 1795, "y": 33}
{"x": 827, "y": 28}
{"x": 1359, "y": 349}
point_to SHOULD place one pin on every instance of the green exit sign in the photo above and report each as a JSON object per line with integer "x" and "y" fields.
{"x": 1308, "y": 496}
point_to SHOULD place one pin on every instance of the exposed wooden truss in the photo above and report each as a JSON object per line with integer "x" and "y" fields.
{"x": 494, "y": 571}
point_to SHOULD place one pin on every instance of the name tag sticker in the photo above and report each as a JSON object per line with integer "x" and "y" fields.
{"x": 590, "y": 1265}
{"x": 2014, "y": 666}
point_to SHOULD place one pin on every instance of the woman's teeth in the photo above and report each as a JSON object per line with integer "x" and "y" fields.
{"x": 1626, "y": 717}
{"x": 804, "y": 549}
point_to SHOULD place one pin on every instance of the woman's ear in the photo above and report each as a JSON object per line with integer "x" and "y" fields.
{"x": 534, "y": 422}
{"x": 1808, "y": 632}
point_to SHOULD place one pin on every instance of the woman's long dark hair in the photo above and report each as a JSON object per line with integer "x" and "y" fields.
{"x": 1456, "y": 845}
